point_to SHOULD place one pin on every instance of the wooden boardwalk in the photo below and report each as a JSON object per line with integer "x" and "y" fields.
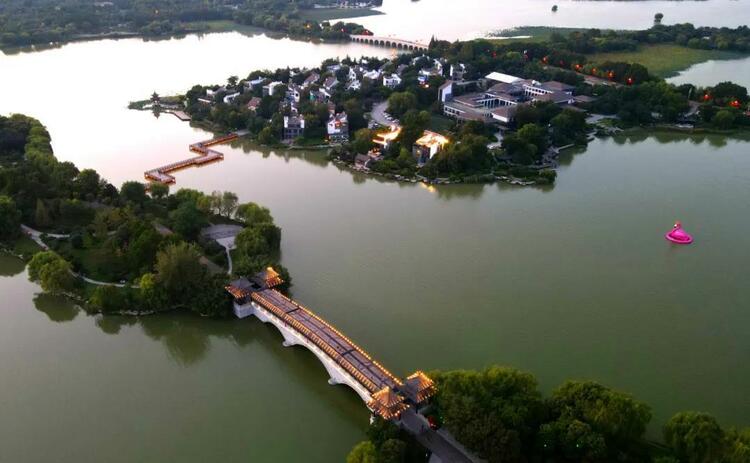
{"x": 205, "y": 156}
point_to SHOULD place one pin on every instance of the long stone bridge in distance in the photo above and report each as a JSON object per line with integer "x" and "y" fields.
{"x": 390, "y": 42}
{"x": 384, "y": 394}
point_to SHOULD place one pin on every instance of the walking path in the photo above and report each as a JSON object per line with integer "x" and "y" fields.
{"x": 36, "y": 236}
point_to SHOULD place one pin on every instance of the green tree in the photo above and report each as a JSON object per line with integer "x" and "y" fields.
{"x": 695, "y": 437}
{"x": 364, "y": 452}
{"x": 591, "y": 421}
{"x": 10, "y": 219}
{"x": 401, "y": 102}
{"x": 158, "y": 190}
{"x": 228, "y": 204}
{"x": 658, "y": 17}
{"x": 723, "y": 119}
{"x": 133, "y": 192}
{"x": 179, "y": 273}
{"x": 41, "y": 215}
{"x": 392, "y": 451}
{"x": 187, "y": 220}
{"x": 494, "y": 412}
{"x": 251, "y": 213}
{"x": 52, "y": 272}
{"x": 267, "y": 137}
{"x": 362, "y": 142}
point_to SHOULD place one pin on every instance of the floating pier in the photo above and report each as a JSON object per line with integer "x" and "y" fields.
{"x": 205, "y": 156}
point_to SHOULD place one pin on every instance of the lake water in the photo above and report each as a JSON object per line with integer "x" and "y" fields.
{"x": 573, "y": 281}
{"x": 451, "y": 20}
{"x": 714, "y": 71}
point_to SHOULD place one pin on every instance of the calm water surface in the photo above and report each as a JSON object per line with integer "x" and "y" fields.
{"x": 451, "y": 20}
{"x": 574, "y": 281}
{"x": 714, "y": 71}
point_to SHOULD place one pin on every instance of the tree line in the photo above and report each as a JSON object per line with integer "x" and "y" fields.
{"x": 139, "y": 235}
{"x": 501, "y": 416}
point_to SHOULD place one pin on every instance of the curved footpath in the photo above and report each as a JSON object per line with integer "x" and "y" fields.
{"x": 36, "y": 236}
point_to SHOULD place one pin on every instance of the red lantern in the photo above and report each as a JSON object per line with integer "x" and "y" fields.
{"x": 706, "y": 97}
{"x": 735, "y": 103}
{"x": 630, "y": 81}
{"x": 545, "y": 59}
{"x": 611, "y": 74}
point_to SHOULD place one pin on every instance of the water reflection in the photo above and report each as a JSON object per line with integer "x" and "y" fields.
{"x": 10, "y": 265}
{"x": 57, "y": 308}
{"x": 665, "y": 137}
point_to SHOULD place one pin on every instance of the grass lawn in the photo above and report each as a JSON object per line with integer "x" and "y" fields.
{"x": 531, "y": 33}
{"x": 664, "y": 60}
{"x": 327, "y": 14}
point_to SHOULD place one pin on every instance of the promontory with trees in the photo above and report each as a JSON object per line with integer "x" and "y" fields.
{"x": 501, "y": 416}
{"x": 473, "y": 111}
{"x": 138, "y": 249}
{"x": 44, "y": 21}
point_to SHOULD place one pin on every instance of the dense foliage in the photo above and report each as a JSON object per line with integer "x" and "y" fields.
{"x": 500, "y": 415}
{"x": 25, "y": 22}
{"x": 147, "y": 237}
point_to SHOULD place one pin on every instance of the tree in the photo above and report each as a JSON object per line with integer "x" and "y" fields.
{"x": 187, "y": 220}
{"x": 695, "y": 437}
{"x": 133, "y": 192}
{"x": 179, "y": 273}
{"x": 88, "y": 183}
{"x": 401, "y": 102}
{"x": 158, "y": 190}
{"x": 10, "y": 218}
{"x": 723, "y": 119}
{"x": 229, "y": 202}
{"x": 251, "y": 214}
{"x": 232, "y": 81}
{"x": 392, "y": 451}
{"x": 590, "y": 421}
{"x": 658, "y": 17}
{"x": 364, "y": 452}
{"x": 52, "y": 271}
{"x": 267, "y": 137}
{"x": 493, "y": 412}
{"x": 362, "y": 142}
{"x": 413, "y": 126}
{"x": 41, "y": 215}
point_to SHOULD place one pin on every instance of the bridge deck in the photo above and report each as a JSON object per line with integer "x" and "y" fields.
{"x": 342, "y": 350}
{"x": 206, "y": 155}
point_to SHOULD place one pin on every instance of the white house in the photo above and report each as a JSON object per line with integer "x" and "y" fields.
{"x": 230, "y": 97}
{"x": 392, "y": 81}
{"x": 372, "y": 75}
{"x": 445, "y": 91}
{"x": 338, "y": 127}
{"x": 268, "y": 89}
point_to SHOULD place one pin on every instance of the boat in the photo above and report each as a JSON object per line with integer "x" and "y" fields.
{"x": 678, "y": 236}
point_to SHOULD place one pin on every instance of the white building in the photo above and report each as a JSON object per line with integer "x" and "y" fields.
{"x": 338, "y": 127}
{"x": 268, "y": 89}
{"x": 230, "y": 97}
{"x": 392, "y": 81}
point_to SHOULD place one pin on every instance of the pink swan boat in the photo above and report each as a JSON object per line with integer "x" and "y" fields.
{"x": 678, "y": 235}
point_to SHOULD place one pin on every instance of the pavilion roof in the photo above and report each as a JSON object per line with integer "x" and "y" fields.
{"x": 387, "y": 403}
{"x": 419, "y": 386}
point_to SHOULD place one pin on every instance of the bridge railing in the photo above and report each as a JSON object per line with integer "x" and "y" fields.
{"x": 317, "y": 340}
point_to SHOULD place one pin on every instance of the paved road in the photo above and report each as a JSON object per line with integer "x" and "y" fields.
{"x": 378, "y": 114}
{"x": 442, "y": 446}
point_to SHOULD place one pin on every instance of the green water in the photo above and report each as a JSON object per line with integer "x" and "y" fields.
{"x": 574, "y": 281}
{"x": 571, "y": 282}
